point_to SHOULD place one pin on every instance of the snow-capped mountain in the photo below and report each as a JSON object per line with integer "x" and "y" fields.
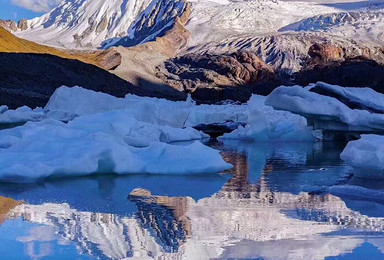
{"x": 254, "y": 43}
{"x": 90, "y": 23}
{"x": 98, "y": 23}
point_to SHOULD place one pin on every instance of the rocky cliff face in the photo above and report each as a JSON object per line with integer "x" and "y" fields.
{"x": 211, "y": 75}
{"x": 238, "y": 74}
{"x": 9, "y": 25}
{"x": 343, "y": 66}
{"x": 12, "y": 26}
{"x": 217, "y": 51}
{"x": 159, "y": 17}
{"x": 93, "y": 24}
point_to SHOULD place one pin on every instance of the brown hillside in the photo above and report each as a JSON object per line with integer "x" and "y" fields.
{"x": 9, "y": 43}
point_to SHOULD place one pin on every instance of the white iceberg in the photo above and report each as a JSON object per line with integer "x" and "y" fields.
{"x": 135, "y": 133}
{"x": 68, "y": 103}
{"x": 77, "y": 101}
{"x": 366, "y": 156}
{"x": 366, "y": 98}
{"x": 331, "y": 113}
{"x": 20, "y": 115}
{"x": 101, "y": 143}
{"x": 267, "y": 124}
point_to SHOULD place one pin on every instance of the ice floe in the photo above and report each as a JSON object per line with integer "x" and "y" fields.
{"x": 328, "y": 112}
{"x": 266, "y": 124}
{"x": 20, "y": 115}
{"x": 77, "y": 101}
{"x": 355, "y": 98}
{"x": 68, "y": 103}
{"x": 366, "y": 156}
{"x": 101, "y": 143}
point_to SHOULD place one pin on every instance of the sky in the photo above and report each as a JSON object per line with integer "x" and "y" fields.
{"x": 17, "y": 9}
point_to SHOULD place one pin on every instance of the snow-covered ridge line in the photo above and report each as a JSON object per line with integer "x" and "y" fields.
{"x": 96, "y": 23}
{"x": 325, "y": 22}
{"x": 93, "y": 23}
{"x": 155, "y": 21}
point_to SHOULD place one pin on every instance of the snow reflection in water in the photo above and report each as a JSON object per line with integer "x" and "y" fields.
{"x": 275, "y": 206}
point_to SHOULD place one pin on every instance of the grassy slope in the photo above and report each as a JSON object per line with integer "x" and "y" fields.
{"x": 12, "y": 44}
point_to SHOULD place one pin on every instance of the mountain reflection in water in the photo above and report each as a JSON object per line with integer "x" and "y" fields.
{"x": 274, "y": 204}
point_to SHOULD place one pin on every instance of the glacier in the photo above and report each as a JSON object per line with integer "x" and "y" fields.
{"x": 81, "y": 131}
{"x": 273, "y": 124}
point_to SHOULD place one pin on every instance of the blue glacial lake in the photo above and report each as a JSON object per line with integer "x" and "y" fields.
{"x": 280, "y": 201}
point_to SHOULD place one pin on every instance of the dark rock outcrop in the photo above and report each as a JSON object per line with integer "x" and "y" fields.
{"x": 335, "y": 65}
{"x": 22, "y": 24}
{"x": 30, "y": 79}
{"x": 211, "y": 78}
{"x": 214, "y": 77}
{"x": 357, "y": 72}
{"x": 325, "y": 52}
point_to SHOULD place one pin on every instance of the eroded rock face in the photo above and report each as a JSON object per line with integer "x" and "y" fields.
{"x": 210, "y": 74}
{"x": 352, "y": 72}
{"x": 342, "y": 65}
{"x": 214, "y": 77}
{"x": 326, "y": 52}
{"x": 160, "y": 17}
{"x": 22, "y": 25}
{"x": 102, "y": 25}
{"x": 8, "y": 25}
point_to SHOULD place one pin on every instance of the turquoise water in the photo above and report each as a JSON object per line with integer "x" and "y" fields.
{"x": 281, "y": 201}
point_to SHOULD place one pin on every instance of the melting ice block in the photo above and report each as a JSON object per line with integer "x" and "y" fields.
{"x": 101, "y": 143}
{"x": 366, "y": 156}
{"x": 347, "y": 109}
{"x": 266, "y": 124}
{"x": 79, "y": 101}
